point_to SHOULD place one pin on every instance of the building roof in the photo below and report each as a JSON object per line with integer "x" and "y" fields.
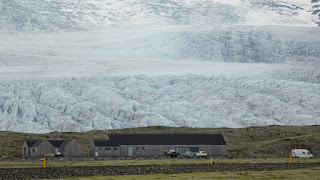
{"x": 65, "y": 143}
{"x": 104, "y": 143}
{"x": 161, "y": 139}
{"x": 34, "y": 143}
{"x": 59, "y": 143}
{"x": 55, "y": 143}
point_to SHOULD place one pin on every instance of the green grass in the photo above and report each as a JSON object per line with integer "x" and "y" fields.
{"x": 265, "y": 141}
{"x": 29, "y": 164}
{"x": 311, "y": 173}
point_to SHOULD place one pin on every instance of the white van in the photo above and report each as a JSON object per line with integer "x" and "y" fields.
{"x": 301, "y": 153}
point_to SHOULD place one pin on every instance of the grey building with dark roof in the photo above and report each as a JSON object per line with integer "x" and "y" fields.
{"x": 156, "y": 144}
{"x": 40, "y": 147}
{"x": 35, "y": 148}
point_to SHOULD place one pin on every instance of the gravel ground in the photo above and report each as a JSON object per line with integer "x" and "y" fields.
{"x": 63, "y": 172}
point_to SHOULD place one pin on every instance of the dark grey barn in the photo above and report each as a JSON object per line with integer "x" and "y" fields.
{"x": 156, "y": 144}
{"x": 40, "y": 147}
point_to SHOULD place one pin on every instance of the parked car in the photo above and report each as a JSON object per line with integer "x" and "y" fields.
{"x": 58, "y": 154}
{"x": 301, "y": 153}
{"x": 189, "y": 154}
{"x": 172, "y": 153}
{"x": 201, "y": 154}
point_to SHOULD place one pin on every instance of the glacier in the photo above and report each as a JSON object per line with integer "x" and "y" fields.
{"x": 69, "y": 65}
{"x": 82, "y": 104}
{"x": 73, "y": 15}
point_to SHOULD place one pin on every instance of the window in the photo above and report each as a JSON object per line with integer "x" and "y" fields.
{"x": 115, "y": 150}
{"x": 100, "y": 150}
{"x": 194, "y": 149}
{"x": 107, "y": 150}
{"x": 143, "y": 149}
{"x": 304, "y": 153}
{"x": 33, "y": 150}
{"x": 137, "y": 149}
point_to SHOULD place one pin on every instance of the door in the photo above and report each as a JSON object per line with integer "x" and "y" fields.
{"x": 129, "y": 151}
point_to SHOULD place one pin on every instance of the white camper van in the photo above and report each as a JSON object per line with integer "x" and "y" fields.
{"x": 301, "y": 153}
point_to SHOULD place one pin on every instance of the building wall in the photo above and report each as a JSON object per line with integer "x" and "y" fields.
{"x": 92, "y": 148}
{"x": 106, "y": 151}
{"x": 72, "y": 149}
{"x": 159, "y": 150}
{"x": 25, "y": 150}
{"x": 42, "y": 149}
{"x": 214, "y": 150}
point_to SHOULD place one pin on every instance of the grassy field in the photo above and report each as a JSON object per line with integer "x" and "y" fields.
{"x": 29, "y": 164}
{"x": 243, "y": 142}
{"x": 305, "y": 174}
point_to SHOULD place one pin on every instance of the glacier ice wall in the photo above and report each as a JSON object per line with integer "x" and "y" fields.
{"x": 81, "y": 104}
